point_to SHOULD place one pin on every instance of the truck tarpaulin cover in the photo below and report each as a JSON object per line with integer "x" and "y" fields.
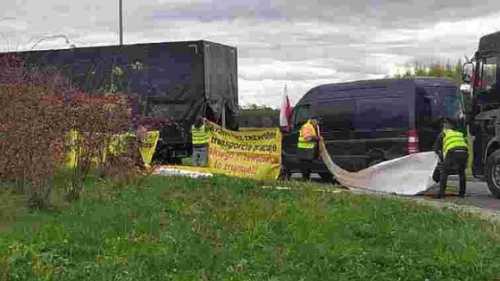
{"x": 409, "y": 175}
{"x": 221, "y": 81}
{"x": 176, "y": 81}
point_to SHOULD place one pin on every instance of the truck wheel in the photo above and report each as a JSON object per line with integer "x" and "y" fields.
{"x": 493, "y": 173}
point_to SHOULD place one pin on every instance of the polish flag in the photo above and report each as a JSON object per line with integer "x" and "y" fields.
{"x": 285, "y": 111}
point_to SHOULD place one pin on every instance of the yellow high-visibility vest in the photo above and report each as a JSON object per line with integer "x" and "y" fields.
{"x": 303, "y": 143}
{"x": 453, "y": 139}
{"x": 199, "y": 135}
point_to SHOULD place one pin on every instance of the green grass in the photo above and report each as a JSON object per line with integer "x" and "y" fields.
{"x": 11, "y": 207}
{"x": 188, "y": 161}
{"x": 231, "y": 229}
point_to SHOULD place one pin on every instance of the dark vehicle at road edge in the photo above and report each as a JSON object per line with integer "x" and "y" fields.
{"x": 366, "y": 122}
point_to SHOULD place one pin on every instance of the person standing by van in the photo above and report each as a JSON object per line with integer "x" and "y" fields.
{"x": 451, "y": 147}
{"x": 200, "y": 142}
{"x": 307, "y": 146}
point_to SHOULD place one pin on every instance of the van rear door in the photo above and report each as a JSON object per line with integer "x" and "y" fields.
{"x": 435, "y": 101}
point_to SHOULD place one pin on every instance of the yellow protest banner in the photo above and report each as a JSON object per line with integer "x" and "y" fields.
{"x": 148, "y": 146}
{"x": 117, "y": 145}
{"x": 253, "y": 153}
{"x": 71, "y": 139}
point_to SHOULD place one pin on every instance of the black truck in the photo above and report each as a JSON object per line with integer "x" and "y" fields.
{"x": 482, "y": 75}
{"x": 174, "y": 81}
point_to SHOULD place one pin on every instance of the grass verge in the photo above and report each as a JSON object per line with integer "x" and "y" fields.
{"x": 231, "y": 229}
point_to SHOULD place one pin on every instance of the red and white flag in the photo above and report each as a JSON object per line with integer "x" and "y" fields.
{"x": 285, "y": 111}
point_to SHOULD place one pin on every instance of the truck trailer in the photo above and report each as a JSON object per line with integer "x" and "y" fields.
{"x": 173, "y": 81}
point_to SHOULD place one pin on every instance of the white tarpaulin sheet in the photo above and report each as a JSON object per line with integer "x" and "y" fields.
{"x": 164, "y": 171}
{"x": 409, "y": 175}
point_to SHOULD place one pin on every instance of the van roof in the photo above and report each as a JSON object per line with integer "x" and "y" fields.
{"x": 319, "y": 92}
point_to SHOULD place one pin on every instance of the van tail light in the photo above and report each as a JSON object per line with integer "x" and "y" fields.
{"x": 413, "y": 142}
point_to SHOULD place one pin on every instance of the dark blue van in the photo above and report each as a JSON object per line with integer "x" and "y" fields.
{"x": 367, "y": 122}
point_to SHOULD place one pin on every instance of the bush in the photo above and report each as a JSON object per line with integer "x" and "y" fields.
{"x": 97, "y": 119}
{"x": 39, "y": 110}
{"x": 31, "y": 142}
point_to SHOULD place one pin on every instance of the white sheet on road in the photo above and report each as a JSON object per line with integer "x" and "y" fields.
{"x": 409, "y": 175}
{"x": 164, "y": 171}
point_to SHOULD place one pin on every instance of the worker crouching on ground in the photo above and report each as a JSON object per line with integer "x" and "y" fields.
{"x": 200, "y": 142}
{"x": 451, "y": 147}
{"x": 307, "y": 146}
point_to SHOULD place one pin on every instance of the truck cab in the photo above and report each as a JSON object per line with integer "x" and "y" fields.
{"x": 481, "y": 78}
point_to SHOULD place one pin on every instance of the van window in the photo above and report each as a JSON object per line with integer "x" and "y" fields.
{"x": 451, "y": 106}
{"x": 446, "y": 102}
{"x": 382, "y": 114}
{"x": 337, "y": 114}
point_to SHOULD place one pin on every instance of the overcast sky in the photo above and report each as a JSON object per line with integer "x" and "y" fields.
{"x": 295, "y": 42}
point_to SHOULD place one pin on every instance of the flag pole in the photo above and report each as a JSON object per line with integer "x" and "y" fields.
{"x": 120, "y": 15}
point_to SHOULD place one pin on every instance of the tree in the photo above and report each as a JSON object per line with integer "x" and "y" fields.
{"x": 259, "y": 116}
{"x": 436, "y": 69}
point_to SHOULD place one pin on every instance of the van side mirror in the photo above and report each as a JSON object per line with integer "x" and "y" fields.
{"x": 467, "y": 72}
{"x": 466, "y": 92}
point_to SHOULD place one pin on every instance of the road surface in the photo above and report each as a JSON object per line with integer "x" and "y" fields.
{"x": 477, "y": 193}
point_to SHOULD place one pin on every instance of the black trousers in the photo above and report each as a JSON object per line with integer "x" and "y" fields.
{"x": 305, "y": 169}
{"x": 306, "y": 157}
{"x": 455, "y": 160}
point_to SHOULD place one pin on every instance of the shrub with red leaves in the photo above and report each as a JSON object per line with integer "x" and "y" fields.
{"x": 31, "y": 140}
{"x": 38, "y": 109}
{"x": 97, "y": 119}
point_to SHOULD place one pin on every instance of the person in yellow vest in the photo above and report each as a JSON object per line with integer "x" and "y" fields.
{"x": 451, "y": 147}
{"x": 200, "y": 142}
{"x": 307, "y": 146}
{"x": 140, "y": 135}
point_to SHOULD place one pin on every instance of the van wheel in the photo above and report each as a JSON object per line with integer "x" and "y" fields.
{"x": 493, "y": 173}
{"x": 375, "y": 156}
{"x": 328, "y": 177}
{"x": 375, "y": 162}
{"x": 176, "y": 161}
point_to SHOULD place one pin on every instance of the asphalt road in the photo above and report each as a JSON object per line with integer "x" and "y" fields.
{"x": 477, "y": 194}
